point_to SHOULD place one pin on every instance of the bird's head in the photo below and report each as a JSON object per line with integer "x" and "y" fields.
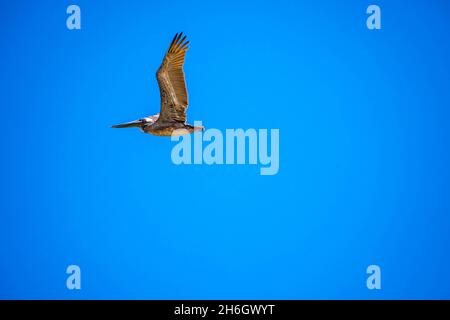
{"x": 137, "y": 123}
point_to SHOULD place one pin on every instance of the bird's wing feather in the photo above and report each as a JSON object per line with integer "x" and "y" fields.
{"x": 172, "y": 85}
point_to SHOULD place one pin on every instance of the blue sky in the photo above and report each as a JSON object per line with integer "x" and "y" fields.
{"x": 364, "y": 178}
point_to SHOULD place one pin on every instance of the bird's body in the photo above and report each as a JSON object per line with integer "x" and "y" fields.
{"x": 174, "y": 99}
{"x": 167, "y": 128}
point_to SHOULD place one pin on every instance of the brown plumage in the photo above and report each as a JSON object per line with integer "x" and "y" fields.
{"x": 173, "y": 94}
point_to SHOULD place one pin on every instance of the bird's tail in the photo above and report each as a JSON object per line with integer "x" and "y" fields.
{"x": 192, "y": 129}
{"x": 199, "y": 128}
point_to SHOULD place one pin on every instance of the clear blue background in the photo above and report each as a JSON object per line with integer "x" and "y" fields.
{"x": 364, "y": 151}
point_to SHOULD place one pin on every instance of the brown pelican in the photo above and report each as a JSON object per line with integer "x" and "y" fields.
{"x": 173, "y": 93}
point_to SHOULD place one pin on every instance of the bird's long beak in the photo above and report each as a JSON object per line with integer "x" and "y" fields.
{"x": 135, "y": 123}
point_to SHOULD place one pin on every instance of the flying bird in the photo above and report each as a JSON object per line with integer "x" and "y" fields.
{"x": 171, "y": 120}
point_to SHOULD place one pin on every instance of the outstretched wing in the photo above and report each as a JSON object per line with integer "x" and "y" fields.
{"x": 172, "y": 86}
